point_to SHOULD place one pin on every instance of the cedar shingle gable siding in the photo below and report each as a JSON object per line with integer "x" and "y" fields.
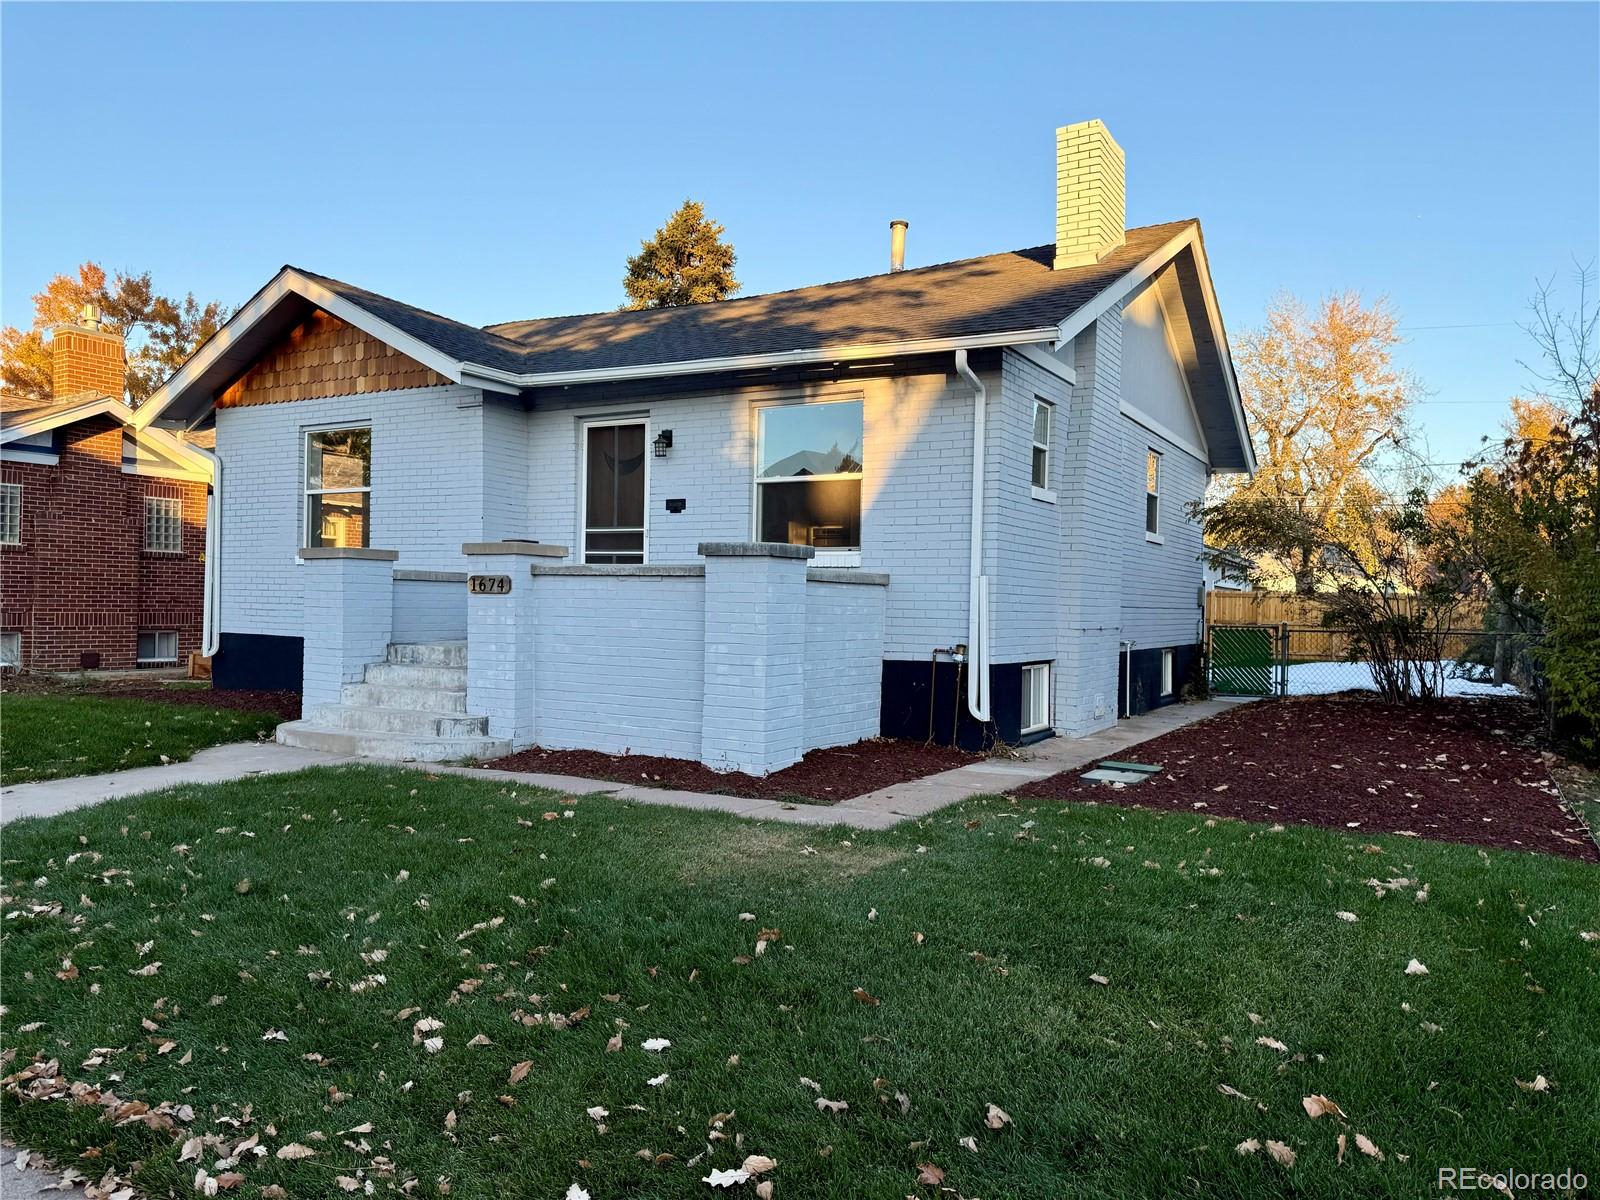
{"x": 321, "y": 357}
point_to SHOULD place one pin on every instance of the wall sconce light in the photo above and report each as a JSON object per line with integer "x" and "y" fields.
{"x": 663, "y": 443}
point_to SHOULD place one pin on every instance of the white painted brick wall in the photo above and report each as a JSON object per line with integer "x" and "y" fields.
{"x": 1161, "y": 581}
{"x": 429, "y": 610}
{"x": 347, "y": 605}
{"x": 428, "y": 486}
{"x": 844, "y": 662}
{"x": 501, "y": 635}
{"x": 618, "y": 663}
{"x": 755, "y": 662}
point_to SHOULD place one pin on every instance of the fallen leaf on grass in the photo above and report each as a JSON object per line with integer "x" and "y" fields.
{"x": 576, "y": 1193}
{"x": 658, "y": 1080}
{"x": 1344, "y": 1144}
{"x": 274, "y": 1035}
{"x": 147, "y": 969}
{"x": 597, "y": 1113}
{"x": 726, "y": 1179}
{"x": 614, "y": 1043}
{"x": 1368, "y": 1147}
{"x": 1248, "y": 1146}
{"x": 1271, "y": 1043}
{"x": 968, "y": 1143}
{"x": 191, "y": 1150}
{"x": 655, "y": 1044}
{"x": 1100, "y": 979}
{"x": 758, "y": 1164}
{"x": 807, "y": 1081}
{"x": 1539, "y": 1084}
{"x": 764, "y": 1190}
{"x": 996, "y": 1117}
{"x": 1226, "y": 1090}
{"x": 293, "y": 1151}
{"x": 520, "y": 1071}
{"x": 1415, "y": 967}
{"x": 1281, "y": 1153}
{"x": 832, "y": 1106}
{"x": 866, "y": 997}
{"x": 480, "y": 1040}
{"x": 1321, "y": 1106}
{"x": 929, "y": 1175}
{"x": 1347, "y": 916}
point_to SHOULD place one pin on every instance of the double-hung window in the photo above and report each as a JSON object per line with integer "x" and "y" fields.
{"x": 163, "y": 524}
{"x": 10, "y": 514}
{"x": 809, "y": 461}
{"x": 1035, "y": 697}
{"x": 616, "y": 479}
{"x": 1167, "y": 680}
{"x": 1043, "y": 416}
{"x": 1152, "y": 495}
{"x": 339, "y": 487}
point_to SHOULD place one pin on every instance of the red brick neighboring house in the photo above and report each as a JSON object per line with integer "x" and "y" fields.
{"x": 102, "y": 526}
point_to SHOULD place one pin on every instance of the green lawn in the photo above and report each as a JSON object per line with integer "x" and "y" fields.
{"x": 977, "y": 932}
{"x": 53, "y": 736}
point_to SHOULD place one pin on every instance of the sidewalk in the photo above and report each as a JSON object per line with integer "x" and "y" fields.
{"x": 875, "y": 810}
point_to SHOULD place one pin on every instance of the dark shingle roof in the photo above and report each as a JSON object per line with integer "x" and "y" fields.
{"x": 996, "y": 293}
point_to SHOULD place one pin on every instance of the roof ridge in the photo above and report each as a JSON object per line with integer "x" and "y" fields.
{"x": 356, "y": 287}
{"x": 954, "y": 262}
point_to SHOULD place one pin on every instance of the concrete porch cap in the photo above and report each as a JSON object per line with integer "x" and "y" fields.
{"x": 312, "y": 553}
{"x": 529, "y": 549}
{"x": 754, "y": 550}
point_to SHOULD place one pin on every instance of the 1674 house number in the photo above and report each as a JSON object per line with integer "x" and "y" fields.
{"x": 489, "y": 585}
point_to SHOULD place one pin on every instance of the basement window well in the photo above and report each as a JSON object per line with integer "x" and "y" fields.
{"x": 157, "y": 646}
{"x": 1035, "y": 698}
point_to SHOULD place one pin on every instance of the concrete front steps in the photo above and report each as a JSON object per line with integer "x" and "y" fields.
{"x": 411, "y": 707}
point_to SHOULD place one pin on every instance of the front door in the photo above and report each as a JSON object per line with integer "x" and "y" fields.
{"x": 615, "y": 477}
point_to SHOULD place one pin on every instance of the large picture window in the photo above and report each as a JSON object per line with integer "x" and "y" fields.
{"x": 615, "y": 486}
{"x": 339, "y": 487}
{"x": 808, "y": 476}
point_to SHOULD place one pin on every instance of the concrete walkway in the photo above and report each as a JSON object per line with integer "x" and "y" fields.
{"x": 215, "y": 764}
{"x": 875, "y": 810}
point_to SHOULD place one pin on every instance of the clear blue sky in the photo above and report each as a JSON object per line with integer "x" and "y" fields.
{"x": 495, "y": 162}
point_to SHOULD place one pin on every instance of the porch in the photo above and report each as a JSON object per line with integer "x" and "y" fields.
{"x": 744, "y": 661}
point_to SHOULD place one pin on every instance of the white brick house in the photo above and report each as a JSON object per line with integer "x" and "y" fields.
{"x": 987, "y": 463}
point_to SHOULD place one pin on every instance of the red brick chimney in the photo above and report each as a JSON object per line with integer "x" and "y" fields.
{"x": 87, "y": 358}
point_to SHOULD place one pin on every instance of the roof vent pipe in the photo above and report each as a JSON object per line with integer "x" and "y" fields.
{"x": 897, "y": 245}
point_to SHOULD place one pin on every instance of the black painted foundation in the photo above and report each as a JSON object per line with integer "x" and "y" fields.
{"x": 258, "y": 662}
{"x": 909, "y": 687}
{"x": 1146, "y": 691}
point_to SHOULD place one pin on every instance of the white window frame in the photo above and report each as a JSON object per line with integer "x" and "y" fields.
{"x": 1042, "y": 491}
{"x": 307, "y": 432}
{"x": 1167, "y": 674}
{"x": 167, "y": 513}
{"x": 11, "y": 514}
{"x": 584, "y": 426}
{"x": 821, "y": 558}
{"x": 159, "y": 635}
{"x": 1035, "y": 692}
{"x": 1155, "y": 456}
{"x": 8, "y": 639}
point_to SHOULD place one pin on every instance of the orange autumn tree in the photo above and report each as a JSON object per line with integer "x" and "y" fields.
{"x": 159, "y": 332}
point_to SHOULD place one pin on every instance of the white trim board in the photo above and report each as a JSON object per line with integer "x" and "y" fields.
{"x": 1146, "y": 421}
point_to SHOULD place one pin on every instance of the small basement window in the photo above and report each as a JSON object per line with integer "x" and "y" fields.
{"x": 1043, "y": 416}
{"x": 163, "y": 524}
{"x": 1035, "y": 697}
{"x": 1152, "y": 495}
{"x": 1166, "y": 672}
{"x": 10, "y": 514}
{"x": 158, "y": 646}
{"x": 10, "y": 649}
{"x": 338, "y": 487}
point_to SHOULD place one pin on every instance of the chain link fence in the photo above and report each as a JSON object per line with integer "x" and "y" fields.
{"x": 1294, "y": 660}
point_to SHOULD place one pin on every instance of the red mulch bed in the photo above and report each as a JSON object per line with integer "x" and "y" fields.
{"x": 1455, "y": 770}
{"x": 284, "y": 704}
{"x": 821, "y": 777}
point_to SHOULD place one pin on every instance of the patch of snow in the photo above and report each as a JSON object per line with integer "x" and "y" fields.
{"x": 1325, "y": 678}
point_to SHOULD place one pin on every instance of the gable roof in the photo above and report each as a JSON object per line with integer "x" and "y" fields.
{"x": 1015, "y": 298}
{"x": 27, "y": 416}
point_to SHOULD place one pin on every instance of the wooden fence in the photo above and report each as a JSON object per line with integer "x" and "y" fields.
{"x": 1308, "y": 640}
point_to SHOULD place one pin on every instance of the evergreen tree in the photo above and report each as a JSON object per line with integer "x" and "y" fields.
{"x": 687, "y": 262}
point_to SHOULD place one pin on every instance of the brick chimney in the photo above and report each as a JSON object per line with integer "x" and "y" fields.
{"x": 87, "y": 358}
{"x": 1090, "y": 195}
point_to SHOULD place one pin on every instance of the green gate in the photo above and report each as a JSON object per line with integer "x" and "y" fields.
{"x": 1242, "y": 660}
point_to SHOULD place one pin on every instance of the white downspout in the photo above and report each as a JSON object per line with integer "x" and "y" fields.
{"x": 210, "y": 606}
{"x": 978, "y": 583}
